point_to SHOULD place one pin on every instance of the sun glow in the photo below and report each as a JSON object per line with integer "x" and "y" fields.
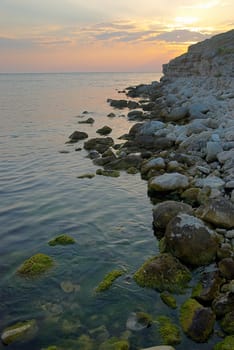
{"x": 186, "y": 20}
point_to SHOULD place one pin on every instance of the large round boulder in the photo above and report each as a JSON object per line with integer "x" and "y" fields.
{"x": 190, "y": 240}
{"x": 165, "y": 211}
{"x": 163, "y": 273}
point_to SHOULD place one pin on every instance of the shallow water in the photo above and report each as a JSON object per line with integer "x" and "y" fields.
{"x": 41, "y": 197}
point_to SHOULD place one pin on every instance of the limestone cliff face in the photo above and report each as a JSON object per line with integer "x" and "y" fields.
{"x": 210, "y": 58}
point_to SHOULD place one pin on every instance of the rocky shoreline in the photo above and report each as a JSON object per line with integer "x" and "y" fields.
{"x": 183, "y": 146}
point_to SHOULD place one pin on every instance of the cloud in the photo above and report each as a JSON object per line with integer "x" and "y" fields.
{"x": 204, "y": 5}
{"x": 12, "y": 43}
{"x": 179, "y": 36}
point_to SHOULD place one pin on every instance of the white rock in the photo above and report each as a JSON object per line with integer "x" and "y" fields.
{"x": 212, "y": 149}
{"x": 210, "y": 181}
{"x": 168, "y": 182}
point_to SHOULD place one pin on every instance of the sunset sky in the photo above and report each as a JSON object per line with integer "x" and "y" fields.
{"x": 104, "y": 35}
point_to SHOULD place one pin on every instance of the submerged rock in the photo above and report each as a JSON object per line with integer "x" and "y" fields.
{"x": 21, "y": 331}
{"x": 226, "y": 344}
{"x": 105, "y": 130}
{"x": 108, "y": 280}
{"x": 36, "y": 265}
{"x": 170, "y": 333}
{"x": 99, "y": 144}
{"x": 163, "y": 273}
{"x": 61, "y": 240}
{"x": 138, "y": 321}
{"x": 197, "y": 321}
{"x": 207, "y": 289}
{"x": 168, "y": 299}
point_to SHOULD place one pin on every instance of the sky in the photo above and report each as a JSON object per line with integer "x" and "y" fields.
{"x": 104, "y": 35}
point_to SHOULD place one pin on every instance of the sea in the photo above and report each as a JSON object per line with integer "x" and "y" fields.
{"x": 41, "y": 197}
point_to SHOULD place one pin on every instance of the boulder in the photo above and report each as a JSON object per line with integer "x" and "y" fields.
{"x": 226, "y": 267}
{"x": 212, "y": 149}
{"x": 219, "y": 212}
{"x": 134, "y": 115}
{"x": 77, "y": 136}
{"x": 118, "y": 103}
{"x": 105, "y": 130}
{"x": 99, "y": 144}
{"x": 190, "y": 240}
{"x": 227, "y": 323}
{"x": 196, "y": 320}
{"x": 90, "y": 120}
{"x": 223, "y": 304}
{"x": 177, "y": 114}
{"x": 226, "y": 344}
{"x": 163, "y": 273}
{"x": 167, "y": 210}
{"x": 168, "y": 182}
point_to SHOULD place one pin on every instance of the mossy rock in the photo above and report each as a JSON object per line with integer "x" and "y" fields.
{"x": 21, "y": 331}
{"x": 226, "y": 344}
{"x": 197, "y": 321}
{"x": 170, "y": 333}
{"x": 36, "y": 265}
{"x": 114, "y": 344}
{"x": 111, "y": 173}
{"x": 86, "y": 176}
{"x": 108, "y": 280}
{"x": 163, "y": 273}
{"x": 85, "y": 343}
{"x": 227, "y": 323}
{"x": 132, "y": 170}
{"x": 168, "y": 299}
{"x": 51, "y": 347}
{"x": 138, "y": 321}
{"x": 207, "y": 289}
{"x": 61, "y": 240}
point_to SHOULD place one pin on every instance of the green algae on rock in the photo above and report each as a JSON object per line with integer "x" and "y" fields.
{"x": 114, "y": 344}
{"x": 138, "y": 321}
{"x": 226, "y": 344}
{"x": 86, "y": 176}
{"x": 163, "y": 273}
{"x": 111, "y": 173}
{"x": 61, "y": 240}
{"x": 35, "y": 265}
{"x": 227, "y": 323}
{"x": 21, "y": 331}
{"x": 170, "y": 333}
{"x": 168, "y": 299}
{"x": 196, "y": 321}
{"x": 85, "y": 343}
{"x": 108, "y": 280}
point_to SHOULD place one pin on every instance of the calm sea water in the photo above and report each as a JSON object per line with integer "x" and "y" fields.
{"x": 41, "y": 197}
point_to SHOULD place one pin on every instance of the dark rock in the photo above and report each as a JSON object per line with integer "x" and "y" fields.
{"x": 135, "y": 115}
{"x": 118, "y": 103}
{"x": 129, "y": 161}
{"x": 190, "y": 240}
{"x": 105, "y": 130}
{"x": 197, "y": 321}
{"x": 99, "y": 144}
{"x": 133, "y": 104}
{"x": 227, "y": 323}
{"x": 226, "y": 267}
{"x": 223, "y": 304}
{"x": 87, "y": 121}
{"x": 77, "y": 136}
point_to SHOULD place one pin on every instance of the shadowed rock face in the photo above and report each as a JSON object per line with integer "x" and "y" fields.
{"x": 212, "y": 57}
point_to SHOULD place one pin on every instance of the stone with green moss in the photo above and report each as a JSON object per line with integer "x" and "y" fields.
{"x": 114, "y": 344}
{"x": 207, "y": 289}
{"x": 196, "y": 320}
{"x": 51, "y": 347}
{"x": 227, "y": 323}
{"x": 108, "y": 280}
{"x": 170, "y": 333}
{"x": 21, "y": 331}
{"x": 132, "y": 170}
{"x": 36, "y": 265}
{"x": 111, "y": 173}
{"x": 86, "y": 176}
{"x": 84, "y": 342}
{"x": 168, "y": 299}
{"x": 164, "y": 273}
{"x": 62, "y": 240}
{"x": 226, "y": 344}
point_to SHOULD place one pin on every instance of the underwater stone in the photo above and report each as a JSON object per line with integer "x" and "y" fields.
{"x": 108, "y": 280}
{"x": 170, "y": 333}
{"x": 62, "y": 240}
{"x": 20, "y": 331}
{"x": 35, "y": 265}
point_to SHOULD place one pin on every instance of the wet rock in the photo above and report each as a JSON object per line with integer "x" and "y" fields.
{"x": 86, "y": 176}
{"x": 212, "y": 149}
{"x": 208, "y": 287}
{"x": 223, "y": 304}
{"x": 110, "y": 173}
{"x": 133, "y": 104}
{"x": 135, "y": 115}
{"x": 108, "y": 280}
{"x": 77, "y": 136}
{"x": 168, "y": 299}
{"x": 105, "y": 130}
{"x": 227, "y": 323}
{"x": 219, "y": 212}
{"x": 61, "y": 240}
{"x": 21, "y": 331}
{"x": 87, "y": 121}
{"x": 36, "y": 265}
{"x": 226, "y": 344}
{"x": 126, "y": 162}
{"x": 165, "y": 211}
{"x": 138, "y": 321}
{"x": 157, "y": 163}
{"x": 226, "y": 267}
{"x": 197, "y": 321}
{"x": 168, "y": 182}
{"x": 160, "y": 347}
{"x": 118, "y": 103}
{"x": 163, "y": 273}
{"x": 190, "y": 240}
{"x": 114, "y": 344}
{"x": 99, "y": 144}
{"x": 169, "y": 332}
